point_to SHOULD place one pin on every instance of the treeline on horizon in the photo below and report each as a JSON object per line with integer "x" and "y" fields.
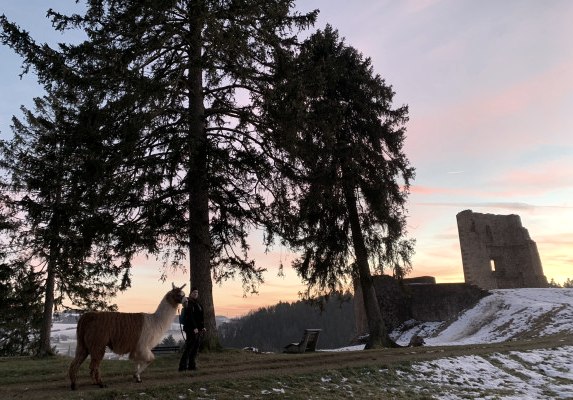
{"x": 272, "y": 328}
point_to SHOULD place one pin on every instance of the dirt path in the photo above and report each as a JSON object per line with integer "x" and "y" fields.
{"x": 241, "y": 365}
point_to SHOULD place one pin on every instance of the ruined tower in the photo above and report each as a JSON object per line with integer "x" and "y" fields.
{"x": 497, "y": 252}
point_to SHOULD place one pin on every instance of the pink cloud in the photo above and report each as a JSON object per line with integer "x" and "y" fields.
{"x": 416, "y": 6}
{"x": 417, "y": 191}
{"x": 444, "y": 128}
{"x": 535, "y": 180}
{"x": 424, "y": 190}
{"x": 542, "y": 90}
{"x": 517, "y": 183}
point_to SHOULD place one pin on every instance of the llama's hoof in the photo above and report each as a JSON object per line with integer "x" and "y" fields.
{"x": 137, "y": 378}
{"x": 73, "y": 386}
{"x": 102, "y": 385}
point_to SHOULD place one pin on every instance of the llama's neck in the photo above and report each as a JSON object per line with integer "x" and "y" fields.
{"x": 155, "y": 325}
{"x": 164, "y": 314}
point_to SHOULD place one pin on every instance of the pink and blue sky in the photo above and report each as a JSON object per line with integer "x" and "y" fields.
{"x": 489, "y": 86}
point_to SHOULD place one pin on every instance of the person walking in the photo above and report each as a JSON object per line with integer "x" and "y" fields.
{"x": 194, "y": 327}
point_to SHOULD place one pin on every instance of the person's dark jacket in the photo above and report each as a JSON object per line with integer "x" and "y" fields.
{"x": 193, "y": 318}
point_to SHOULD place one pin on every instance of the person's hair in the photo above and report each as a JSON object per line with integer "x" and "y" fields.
{"x": 194, "y": 288}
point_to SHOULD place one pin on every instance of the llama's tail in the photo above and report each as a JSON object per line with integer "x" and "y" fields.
{"x": 81, "y": 332}
{"x": 81, "y": 352}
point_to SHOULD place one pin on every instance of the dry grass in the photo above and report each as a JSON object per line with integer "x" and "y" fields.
{"x": 234, "y": 374}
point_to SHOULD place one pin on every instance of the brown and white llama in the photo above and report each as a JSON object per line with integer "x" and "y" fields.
{"x": 124, "y": 333}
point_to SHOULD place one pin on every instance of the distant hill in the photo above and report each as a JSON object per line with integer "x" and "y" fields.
{"x": 220, "y": 319}
{"x": 272, "y": 328}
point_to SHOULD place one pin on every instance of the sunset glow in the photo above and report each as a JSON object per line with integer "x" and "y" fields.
{"x": 489, "y": 86}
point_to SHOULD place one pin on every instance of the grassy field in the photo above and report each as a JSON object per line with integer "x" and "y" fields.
{"x": 27, "y": 378}
{"x": 235, "y": 374}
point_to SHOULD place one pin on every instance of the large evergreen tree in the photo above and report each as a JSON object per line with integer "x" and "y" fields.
{"x": 20, "y": 309}
{"x": 349, "y": 178}
{"x": 20, "y": 292}
{"x": 179, "y": 82}
{"x": 63, "y": 239}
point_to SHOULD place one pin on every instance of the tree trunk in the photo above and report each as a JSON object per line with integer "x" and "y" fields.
{"x": 197, "y": 182}
{"x": 45, "y": 348}
{"x": 378, "y": 335}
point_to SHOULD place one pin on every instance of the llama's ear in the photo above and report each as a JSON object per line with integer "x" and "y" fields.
{"x": 183, "y": 286}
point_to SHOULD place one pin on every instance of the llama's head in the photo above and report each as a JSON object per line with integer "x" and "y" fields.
{"x": 176, "y": 295}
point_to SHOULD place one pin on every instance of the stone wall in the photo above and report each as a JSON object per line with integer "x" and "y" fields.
{"x": 426, "y": 301}
{"x": 442, "y": 302}
{"x": 497, "y": 252}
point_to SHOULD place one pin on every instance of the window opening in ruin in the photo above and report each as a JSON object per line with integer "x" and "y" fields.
{"x": 492, "y": 265}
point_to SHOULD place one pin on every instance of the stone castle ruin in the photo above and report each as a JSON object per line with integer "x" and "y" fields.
{"x": 497, "y": 252}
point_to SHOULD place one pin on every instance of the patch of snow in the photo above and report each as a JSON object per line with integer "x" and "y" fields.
{"x": 543, "y": 374}
{"x": 507, "y": 313}
{"x": 537, "y": 374}
{"x": 357, "y": 347}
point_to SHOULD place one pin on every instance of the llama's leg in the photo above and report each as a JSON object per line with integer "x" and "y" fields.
{"x": 142, "y": 359}
{"x": 81, "y": 355}
{"x": 95, "y": 362}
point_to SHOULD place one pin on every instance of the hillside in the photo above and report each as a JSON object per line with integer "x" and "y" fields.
{"x": 506, "y": 314}
{"x": 514, "y": 344}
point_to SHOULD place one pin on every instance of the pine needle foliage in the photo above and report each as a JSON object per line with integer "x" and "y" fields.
{"x": 177, "y": 85}
{"x": 348, "y": 176}
{"x": 63, "y": 234}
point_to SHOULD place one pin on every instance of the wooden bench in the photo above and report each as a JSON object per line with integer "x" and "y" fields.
{"x": 307, "y": 343}
{"x": 158, "y": 350}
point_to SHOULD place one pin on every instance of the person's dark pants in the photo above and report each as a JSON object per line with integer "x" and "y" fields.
{"x": 190, "y": 351}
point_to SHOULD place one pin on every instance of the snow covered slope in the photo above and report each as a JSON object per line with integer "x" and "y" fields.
{"x": 504, "y": 315}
